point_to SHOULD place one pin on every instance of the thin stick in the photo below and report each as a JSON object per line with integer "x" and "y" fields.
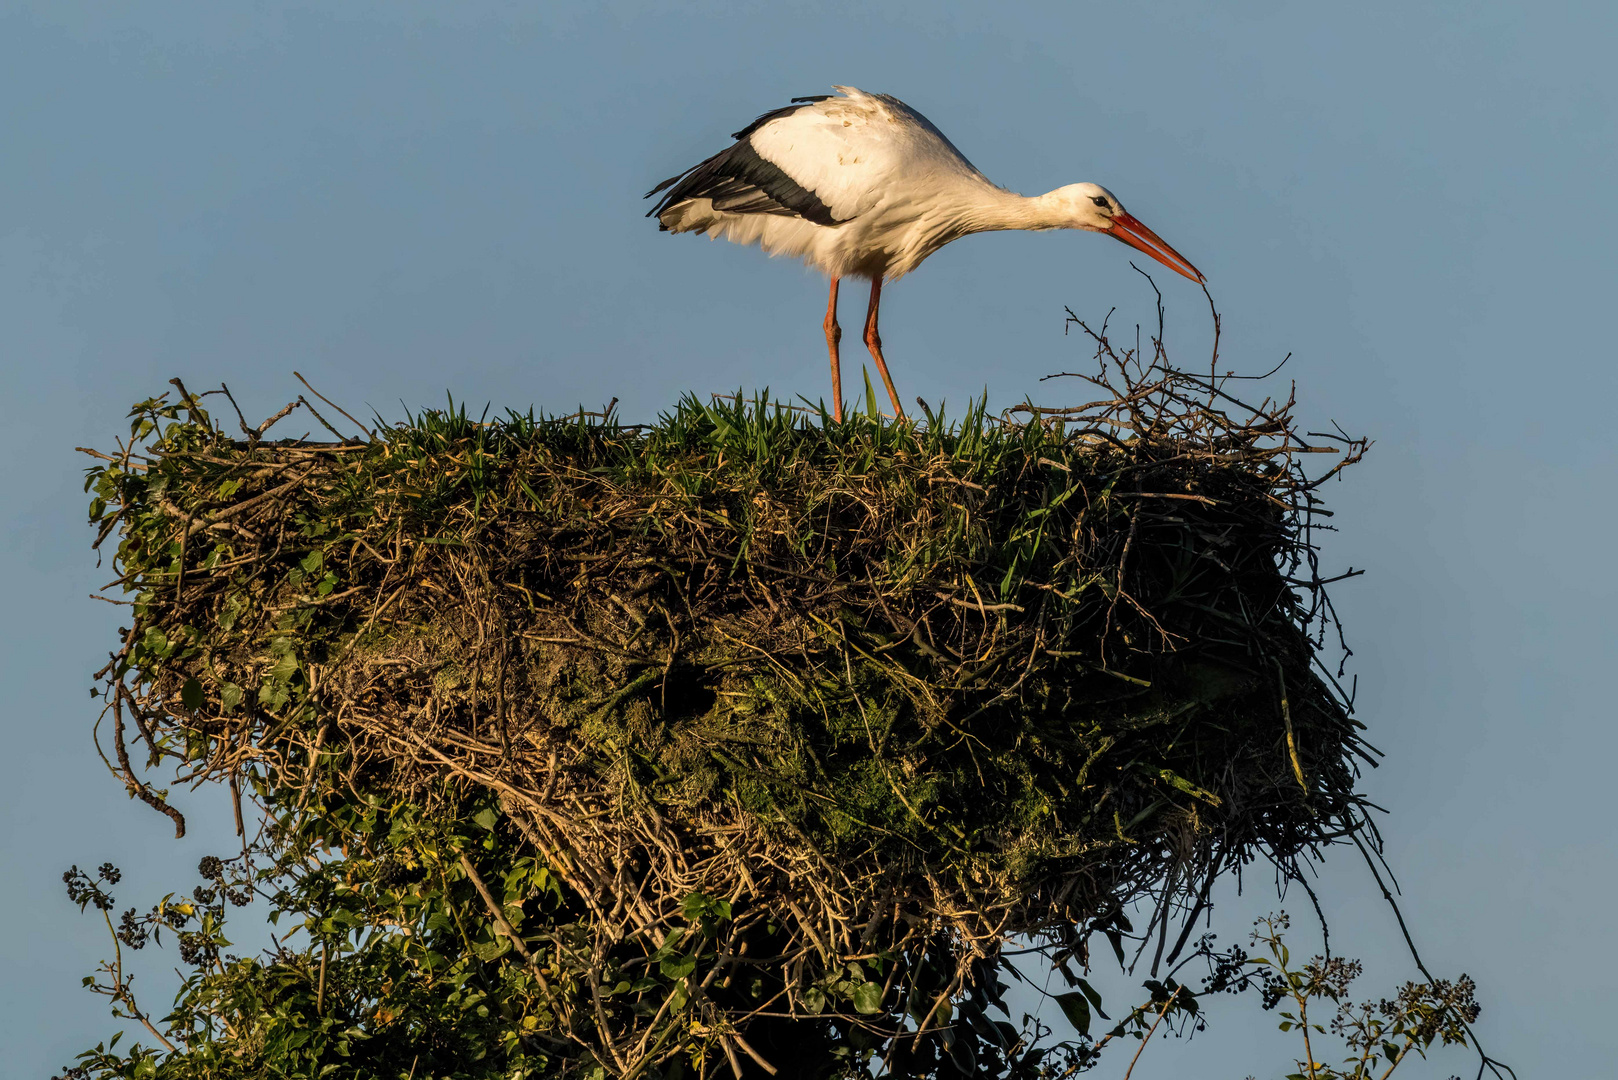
{"x": 750, "y": 1052}
{"x": 505, "y": 926}
{"x": 1286, "y": 718}
{"x": 320, "y": 989}
{"x": 340, "y": 409}
{"x": 1486, "y": 1061}
{"x": 730, "y": 1054}
{"x": 121, "y": 993}
{"x": 1160, "y": 1014}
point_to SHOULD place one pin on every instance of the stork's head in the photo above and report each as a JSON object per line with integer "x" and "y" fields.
{"x": 1094, "y": 208}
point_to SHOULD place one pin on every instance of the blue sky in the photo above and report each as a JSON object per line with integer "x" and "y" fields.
{"x": 1413, "y": 200}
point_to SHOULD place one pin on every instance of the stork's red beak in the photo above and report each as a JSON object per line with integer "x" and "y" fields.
{"x": 1139, "y": 237}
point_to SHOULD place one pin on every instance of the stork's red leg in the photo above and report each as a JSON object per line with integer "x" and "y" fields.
{"x": 874, "y": 343}
{"x": 834, "y": 334}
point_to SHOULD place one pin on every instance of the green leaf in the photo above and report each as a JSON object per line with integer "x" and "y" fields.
{"x": 670, "y": 945}
{"x": 677, "y": 967}
{"x": 486, "y": 817}
{"x": 311, "y": 562}
{"x": 813, "y": 1000}
{"x": 868, "y": 998}
{"x": 492, "y": 950}
{"x": 230, "y": 696}
{"x": 191, "y": 695}
{"x": 966, "y": 1059}
{"x": 156, "y": 642}
{"x": 1076, "y": 1007}
{"x": 285, "y": 666}
{"x": 1116, "y": 939}
{"x": 1095, "y": 999}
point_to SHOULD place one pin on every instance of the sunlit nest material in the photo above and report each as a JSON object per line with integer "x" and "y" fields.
{"x": 885, "y": 689}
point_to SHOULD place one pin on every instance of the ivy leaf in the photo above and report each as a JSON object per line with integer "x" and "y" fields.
{"x": 191, "y": 695}
{"x": 1116, "y": 940}
{"x": 285, "y": 666}
{"x": 230, "y": 696}
{"x": 813, "y": 1001}
{"x": 1076, "y": 1007}
{"x": 868, "y": 998}
{"x": 492, "y": 950}
{"x": 156, "y": 642}
{"x": 486, "y": 817}
{"x": 677, "y": 967}
{"x": 966, "y": 1058}
{"x": 670, "y": 944}
{"x": 1095, "y": 999}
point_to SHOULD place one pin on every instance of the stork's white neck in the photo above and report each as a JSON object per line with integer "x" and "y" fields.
{"x": 993, "y": 209}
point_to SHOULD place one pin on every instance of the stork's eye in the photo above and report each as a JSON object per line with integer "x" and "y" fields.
{"x": 1100, "y": 201}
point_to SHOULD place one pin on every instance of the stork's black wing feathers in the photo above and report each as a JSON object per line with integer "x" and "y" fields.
{"x": 740, "y": 181}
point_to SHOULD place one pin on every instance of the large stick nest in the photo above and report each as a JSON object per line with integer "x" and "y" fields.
{"x": 881, "y": 687}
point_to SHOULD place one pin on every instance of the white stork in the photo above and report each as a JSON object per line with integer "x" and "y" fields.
{"x": 863, "y": 185}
